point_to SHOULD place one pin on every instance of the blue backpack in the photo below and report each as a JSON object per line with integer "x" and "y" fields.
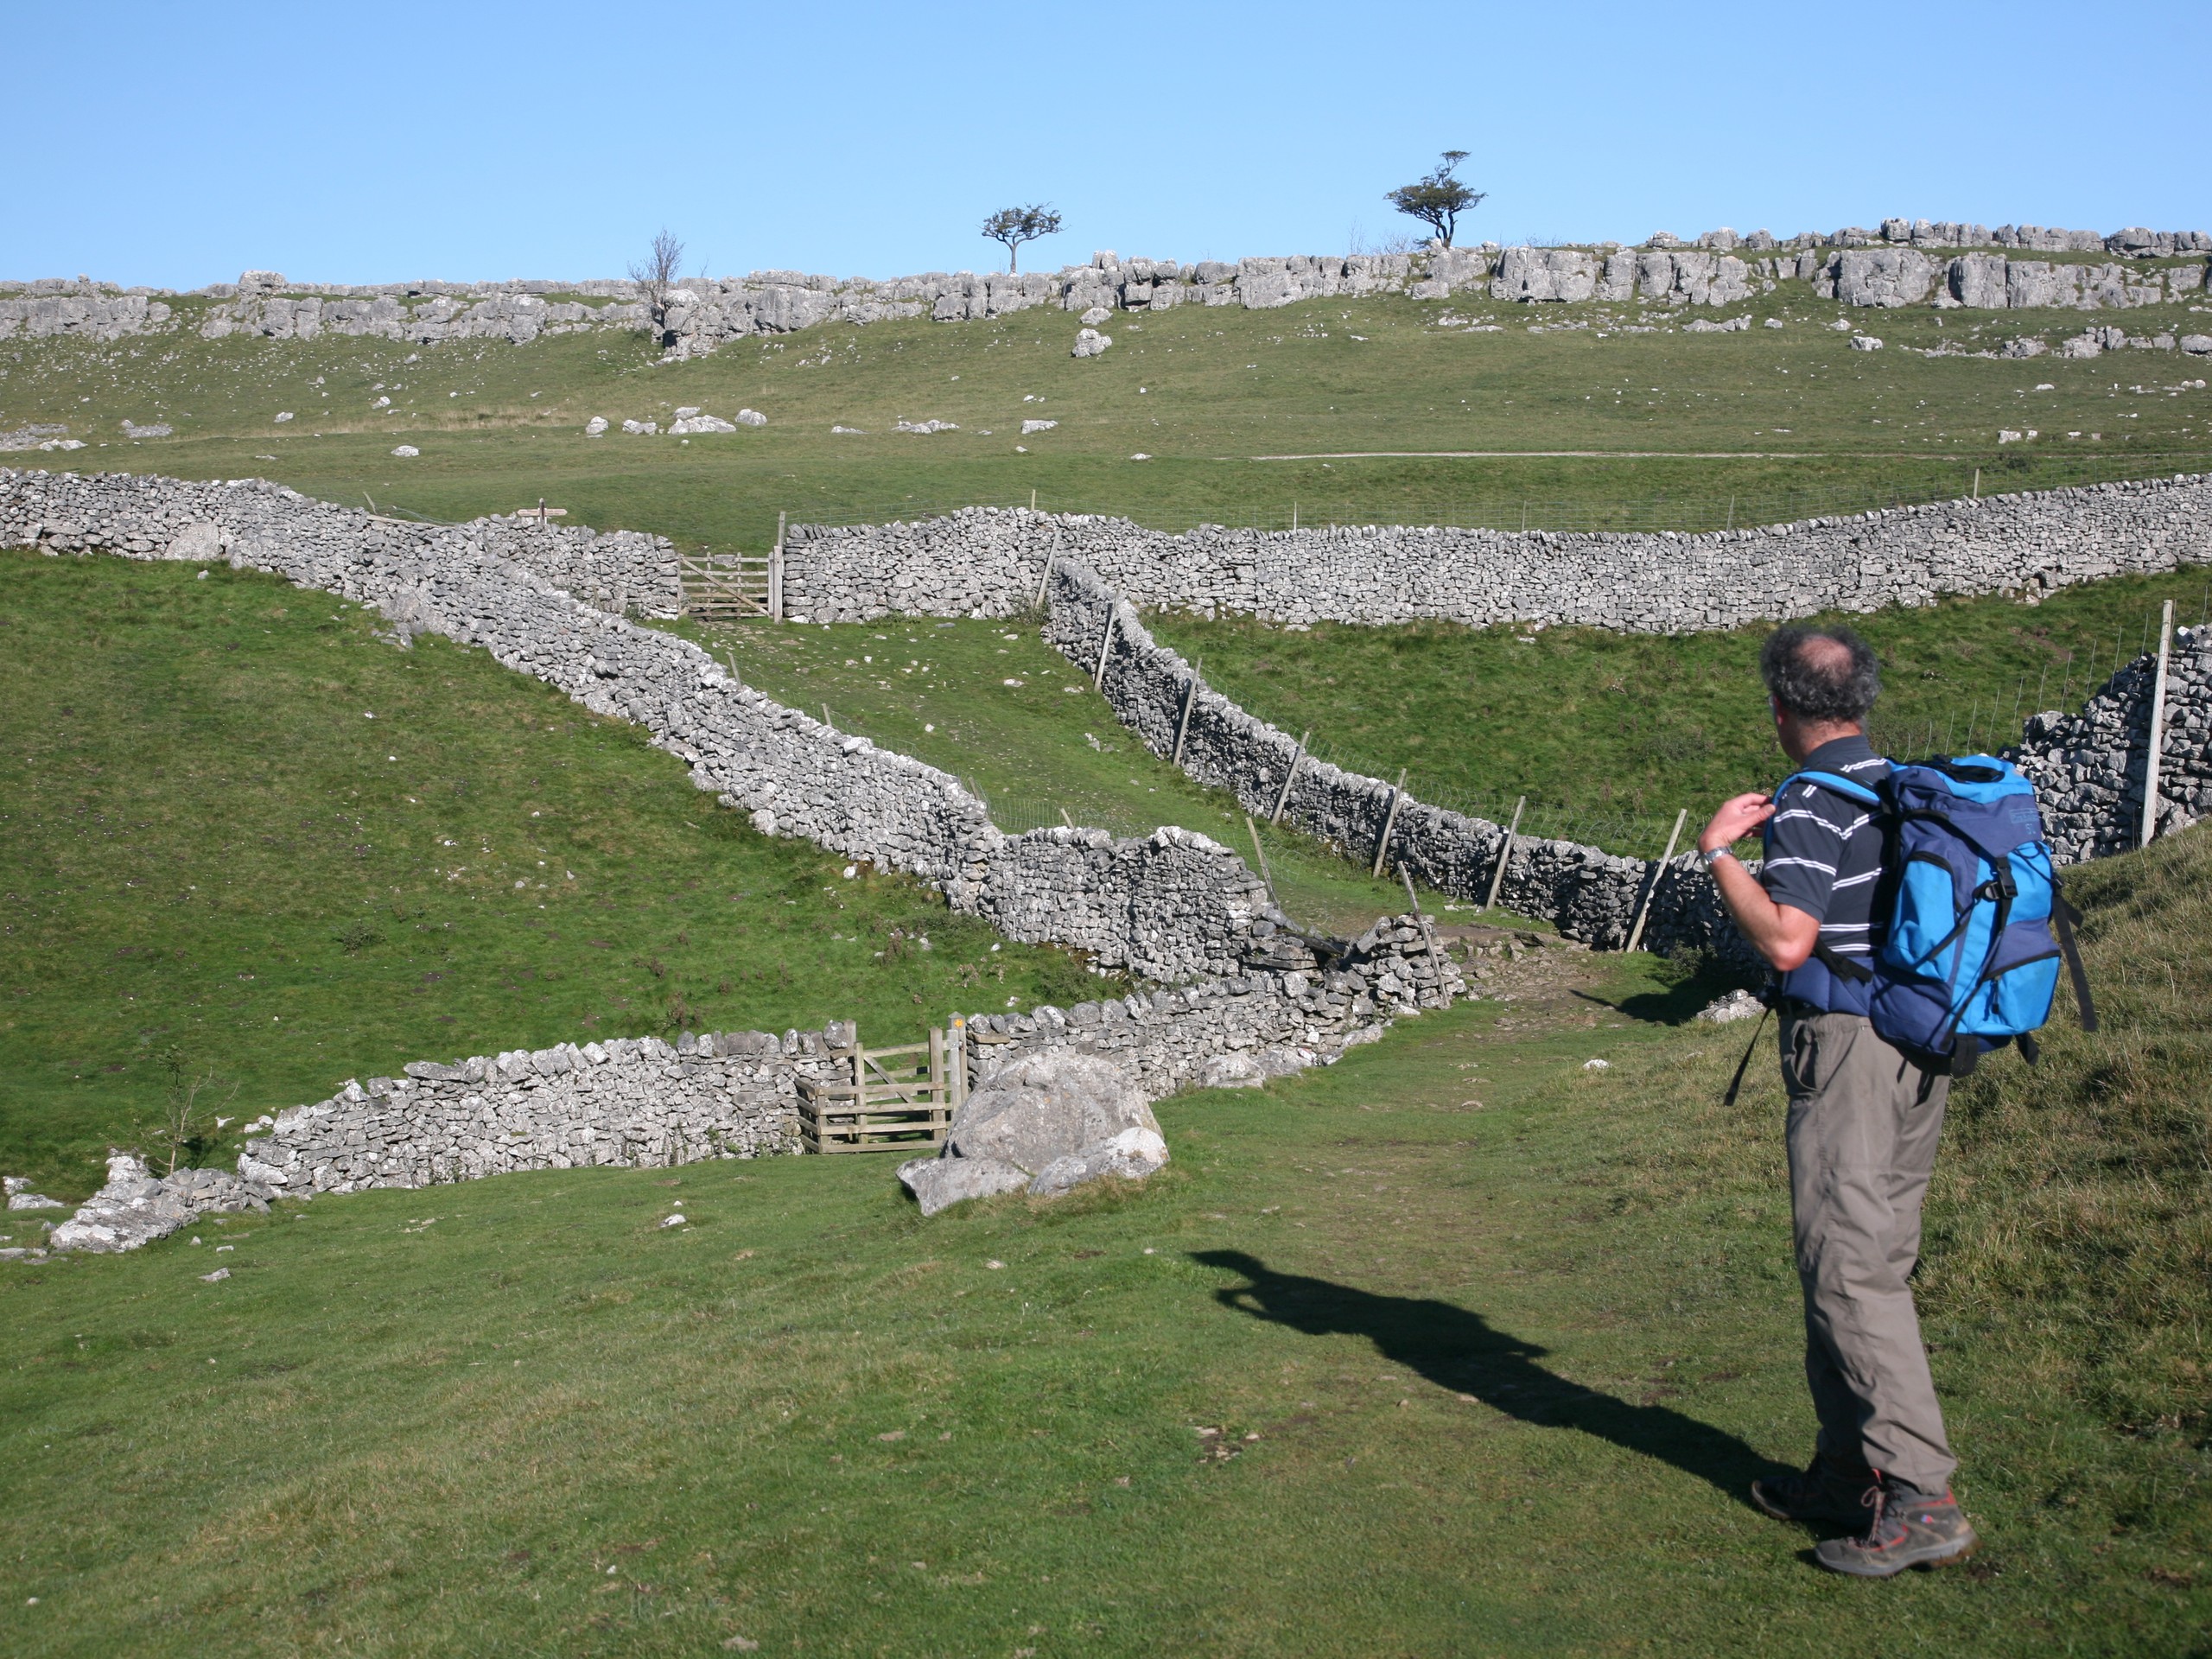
{"x": 1965, "y": 960}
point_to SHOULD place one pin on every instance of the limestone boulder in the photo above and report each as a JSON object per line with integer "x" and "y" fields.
{"x": 197, "y": 541}
{"x": 940, "y": 1183}
{"x": 1047, "y": 1106}
{"x": 1048, "y": 1123}
{"x": 1978, "y": 281}
{"x": 1883, "y": 277}
{"x": 1545, "y": 273}
{"x": 1132, "y": 1155}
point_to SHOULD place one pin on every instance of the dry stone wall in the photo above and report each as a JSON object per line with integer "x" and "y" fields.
{"x": 2090, "y": 768}
{"x": 1173, "y": 906}
{"x": 645, "y": 1102}
{"x": 991, "y": 562}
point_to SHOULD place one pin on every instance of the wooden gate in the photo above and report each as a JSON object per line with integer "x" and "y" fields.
{"x": 897, "y": 1099}
{"x": 727, "y": 585}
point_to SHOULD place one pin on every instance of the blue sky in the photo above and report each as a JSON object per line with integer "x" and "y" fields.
{"x": 176, "y": 145}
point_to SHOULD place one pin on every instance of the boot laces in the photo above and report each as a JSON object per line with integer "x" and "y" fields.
{"x": 1882, "y": 1527}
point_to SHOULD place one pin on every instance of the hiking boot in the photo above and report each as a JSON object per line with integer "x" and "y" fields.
{"x": 1823, "y": 1492}
{"x": 1908, "y": 1529}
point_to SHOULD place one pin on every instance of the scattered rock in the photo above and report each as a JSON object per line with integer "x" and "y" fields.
{"x": 641, "y": 429}
{"x": 1596, "y": 1065}
{"x": 134, "y": 1208}
{"x": 751, "y": 418}
{"x": 216, "y": 1277}
{"x": 685, "y": 425}
{"x": 20, "y": 1196}
{"x": 1027, "y": 427}
{"x": 924, "y": 427}
{"x": 1865, "y": 343}
{"x": 1094, "y": 316}
{"x": 2196, "y": 345}
{"x": 406, "y": 452}
{"x": 33, "y": 436}
{"x": 1089, "y": 342}
{"x": 595, "y": 426}
{"x": 1737, "y": 1005}
{"x": 1771, "y": 322}
{"x": 156, "y": 429}
{"x": 285, "y": 416}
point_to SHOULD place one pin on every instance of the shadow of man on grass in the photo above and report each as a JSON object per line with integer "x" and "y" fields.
{"x": 1459, "y": 1350}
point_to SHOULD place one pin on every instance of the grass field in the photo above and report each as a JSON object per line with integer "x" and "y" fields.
{"x": 1454, "y": 1348}
{"x": 1659, "y": 430}
{"x": 206, "y": 843}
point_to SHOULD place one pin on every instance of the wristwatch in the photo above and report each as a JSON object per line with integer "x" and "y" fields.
{"x": 1713, "y": 857}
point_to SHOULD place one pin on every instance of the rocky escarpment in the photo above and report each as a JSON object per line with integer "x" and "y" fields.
{"x": 1886, "y": 266}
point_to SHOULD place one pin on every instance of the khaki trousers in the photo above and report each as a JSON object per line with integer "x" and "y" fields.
{"x": 1863, "y": 1125}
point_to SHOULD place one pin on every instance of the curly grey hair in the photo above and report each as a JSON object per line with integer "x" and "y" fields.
{"x": 1821, "y": 674}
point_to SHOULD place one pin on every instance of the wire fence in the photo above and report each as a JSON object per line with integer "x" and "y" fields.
{"x": 1985, "y": 722}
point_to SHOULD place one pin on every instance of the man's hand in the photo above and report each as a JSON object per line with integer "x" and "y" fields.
{"x": 1738, "y": 816}
{"x": 1782, "y": 933}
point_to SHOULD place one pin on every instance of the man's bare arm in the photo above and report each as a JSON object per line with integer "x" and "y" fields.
{"x": 1782, "y": 934}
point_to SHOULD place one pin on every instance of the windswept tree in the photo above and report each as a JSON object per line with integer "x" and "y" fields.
{"x": 656, "y": 275}
{"x": 1439, "y": 199}
{"x": 1015, "y": 225}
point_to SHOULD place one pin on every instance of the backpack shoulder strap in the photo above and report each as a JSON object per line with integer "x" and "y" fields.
{"x": 1866, "y": 794}
{"x": 1850, "y": 788}
{"x": 2063, "y": 916}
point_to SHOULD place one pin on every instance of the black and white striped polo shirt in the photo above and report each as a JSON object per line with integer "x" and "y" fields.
{"x": 1824, "y": 857}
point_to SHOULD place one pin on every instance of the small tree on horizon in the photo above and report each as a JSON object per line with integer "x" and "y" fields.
{"x": 1438, "y": 200}
{"x": 657, "y": 273}
{"x": 1014, "y": 226}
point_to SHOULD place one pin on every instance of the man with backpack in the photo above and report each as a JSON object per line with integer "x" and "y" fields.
{"x": 1865, "y": 1113}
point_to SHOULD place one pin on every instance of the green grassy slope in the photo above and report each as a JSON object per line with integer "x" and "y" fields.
{"x": 1489, "y": 1344}
{"x": 1780, "y": 422}
{"x": 206, "y": 842}
{"x": 991, "y": 703}
{"x": 1608, "y": 733}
